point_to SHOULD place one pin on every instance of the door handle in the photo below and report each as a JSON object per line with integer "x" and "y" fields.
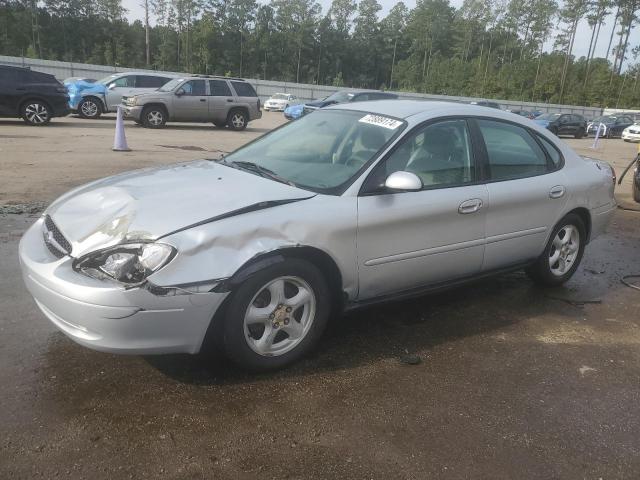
{"x": 229, "y": 99}
{"x": 557, "y": 191}
{"x": 203, "y": 99}
{"x": 470, "y": 206}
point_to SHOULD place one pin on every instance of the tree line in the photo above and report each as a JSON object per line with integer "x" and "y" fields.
{"x": 507, "y": 49}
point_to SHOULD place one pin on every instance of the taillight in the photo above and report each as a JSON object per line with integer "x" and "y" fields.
{"x": 258, "y": 104}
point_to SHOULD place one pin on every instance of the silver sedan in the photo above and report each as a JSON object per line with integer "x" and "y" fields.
{"x": 354, "y": 204}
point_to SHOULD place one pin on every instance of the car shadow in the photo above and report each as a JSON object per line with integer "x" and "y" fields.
{"x": 390, "y": 331}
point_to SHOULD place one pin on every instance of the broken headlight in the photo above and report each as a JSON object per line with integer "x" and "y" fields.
{"x": 129, "y": 263}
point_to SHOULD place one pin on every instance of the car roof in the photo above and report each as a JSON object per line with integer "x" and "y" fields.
{"x": 421, "y": 109}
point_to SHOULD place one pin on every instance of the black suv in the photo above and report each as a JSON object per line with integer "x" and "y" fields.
{"x": 36, "y": 97}
{"x": 563, "y": 124}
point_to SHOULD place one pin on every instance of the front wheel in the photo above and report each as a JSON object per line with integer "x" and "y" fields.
{"x": 89, "y": 108}
{"x": 237, "y": 120}
{"x": 154, "y": 117}
{"x": 636, "y": 189}
{"x": 36, "y": 113}
{"x": 563, "y": 253}
{"x": 276, "y": 316}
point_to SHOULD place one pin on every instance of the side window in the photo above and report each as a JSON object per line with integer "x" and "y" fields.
{"x": 149, "y": 81}
{"x": 554, "y": 153}
{"x": 219, "y": 88}
{"x": 127, "y": 82}
{"x": 512, "y": 151}
{"x": 440, "y": 154}
{"x": 244, "y": 89}
{"x": 194, "y": 88}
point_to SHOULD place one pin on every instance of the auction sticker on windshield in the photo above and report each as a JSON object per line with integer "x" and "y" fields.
{"x": 381, "y": 121}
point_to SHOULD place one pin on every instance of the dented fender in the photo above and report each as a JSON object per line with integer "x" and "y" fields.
{"x": 219, "y": 249}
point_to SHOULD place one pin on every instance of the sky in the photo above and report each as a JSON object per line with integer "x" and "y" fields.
{"x": 580, "y": 47}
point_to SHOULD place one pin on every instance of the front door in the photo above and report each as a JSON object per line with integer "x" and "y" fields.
{"x": 190, "y": 102}
{"x": 413, "y": 239}
{"x": 117, "y": 89}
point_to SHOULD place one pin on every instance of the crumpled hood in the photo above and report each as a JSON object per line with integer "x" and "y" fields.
{"x": 320, "y": 103}
{"x": 148, "y": 204}
{"x": 86, "y": 87}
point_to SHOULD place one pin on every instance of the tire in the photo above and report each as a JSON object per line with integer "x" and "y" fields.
{"x": 237, "y": 119}
{"x": 35, "y": 113}
{"x": 636, "y": 189}
{"x": 90, "y": 108}
{"x": 262, "y": 341}
{"x": 543, "y": 272}
{"x": 220, "y": 124}
{"x": 579, "y": 134}
{"x": 153, "y": 117}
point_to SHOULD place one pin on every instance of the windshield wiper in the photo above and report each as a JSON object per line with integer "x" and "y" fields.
{"x": 260, "y": 170}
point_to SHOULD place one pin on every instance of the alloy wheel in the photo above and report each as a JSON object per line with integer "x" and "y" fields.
{"x": 155, "y": 117}
{"x": 279, "y": 316}
{"x": 237, "y": 120}
{"x": 36, "y": 113}
{"x": 89, "y": 108}
{"x": 564, "y": 250}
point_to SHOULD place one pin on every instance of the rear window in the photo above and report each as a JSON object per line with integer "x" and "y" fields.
{"x": 150, "y": 81}
{"x": 244, "y": 89}
{"x": 219, "y": 88}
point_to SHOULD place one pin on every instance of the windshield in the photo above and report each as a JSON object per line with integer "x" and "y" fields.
{"x": 339, "y": 97}
{"x": 107, "y": 80}
{"x": 320, "y": 151}
{"x": 167, "y": 87}
{"x": 549, "y": 116}
{"x": 279, "y": 96}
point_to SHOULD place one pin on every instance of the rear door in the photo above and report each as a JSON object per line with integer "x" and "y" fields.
{"x": 191, "y": 105}
{"x": 246, "y": 95}
{"x": 12, "y": 89}
{"x": 526, "y": 188}
{"x": 220, "y": 100}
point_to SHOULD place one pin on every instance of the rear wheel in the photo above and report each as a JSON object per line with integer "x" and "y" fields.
{"x": 36, "y": 113}
{"x": 237, "y": 120}
{"x": 89, "y": 108}
{"x": 154, "y": 117}
{"x": 636, "y": 189}
{"x": 276, "y": 316}
{"x": 563, "y": 253}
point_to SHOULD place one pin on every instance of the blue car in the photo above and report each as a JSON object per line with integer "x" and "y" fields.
{"x": 294, "y": 111}
{"x": 92, "y": 99}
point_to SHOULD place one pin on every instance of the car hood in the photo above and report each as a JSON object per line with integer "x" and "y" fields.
{"x": 320, "y": 103}
{"x": 85, "y": 87}
{"x": 544, "y": 123}
{"x": 145, "y": 205}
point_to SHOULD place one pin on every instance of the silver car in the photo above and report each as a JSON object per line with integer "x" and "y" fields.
{"x": 351, "y": 205}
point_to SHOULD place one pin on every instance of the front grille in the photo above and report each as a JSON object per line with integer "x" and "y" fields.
{"x": 54, "y": 240}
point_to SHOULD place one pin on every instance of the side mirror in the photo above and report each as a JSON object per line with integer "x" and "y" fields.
{"x": 111, "y": 86}
{"x": 403, "y": 181}
{"x": 180, "y": 92}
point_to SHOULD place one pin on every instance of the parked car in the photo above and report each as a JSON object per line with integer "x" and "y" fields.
{"x": 486, "y": 103}
{"x": 224, "y": 101}
{"x": 524, "y": 113}
{"x": 36, "y": 97}
{"x": 347, "y": 97}
{"x": 279, "y": 102}
{"x": 563, "y": 124}
{"x": 294, "y": 111}
{"x": 353, "y": 205}
{"x": 91, "y": 99}
{"x": 631, "y": 133}
{"x": 610, "y": 125}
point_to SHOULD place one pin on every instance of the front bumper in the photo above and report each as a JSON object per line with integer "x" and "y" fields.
{"x": 632, "y": 137}
{"x": 134, "y": 113}
{"x": 104, "y": 315}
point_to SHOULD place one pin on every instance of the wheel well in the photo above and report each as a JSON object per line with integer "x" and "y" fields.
{"x": 30, "y": 99}
{"x": 585, "y": 216}
{"x": 97, "y": 100}
{"x": 243, "y": 109}
{"x": 157, "y": 105}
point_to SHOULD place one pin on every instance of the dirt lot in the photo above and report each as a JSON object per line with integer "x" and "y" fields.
{"x": 514, "y": 381}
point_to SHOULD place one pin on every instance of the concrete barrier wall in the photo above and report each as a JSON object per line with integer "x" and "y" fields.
{"x": 266, "y": 88}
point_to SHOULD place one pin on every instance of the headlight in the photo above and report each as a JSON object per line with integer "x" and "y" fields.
{"x": 131, "y": 101}
{"x": 130, "y": 263}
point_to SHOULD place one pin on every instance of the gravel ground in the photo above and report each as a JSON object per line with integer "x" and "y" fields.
{"x": 511, "y": 381}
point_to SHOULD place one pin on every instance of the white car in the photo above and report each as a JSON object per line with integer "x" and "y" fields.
{"x": 631, "y": 133}
{"x": 279, "y": 101}
{"x": 347, "y": 206}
